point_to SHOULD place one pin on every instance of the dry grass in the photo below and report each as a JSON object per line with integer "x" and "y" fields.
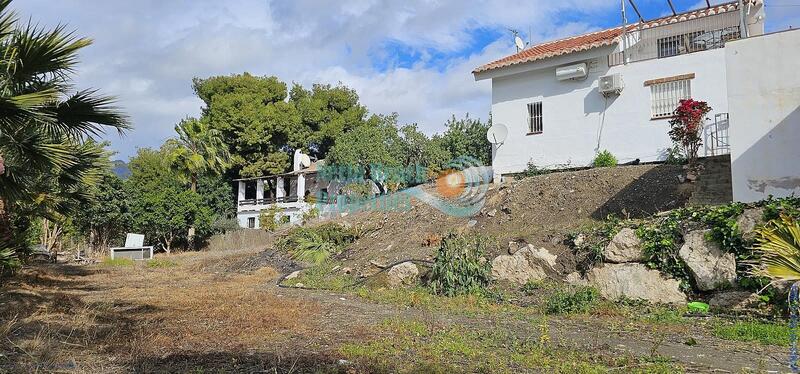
{"x": 114, "y": 319}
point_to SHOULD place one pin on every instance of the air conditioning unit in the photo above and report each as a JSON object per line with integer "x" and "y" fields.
{"x": 610, "y": 84}
{"x": 571, "y": 72}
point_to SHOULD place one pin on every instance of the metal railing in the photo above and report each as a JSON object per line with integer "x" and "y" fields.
{"x": 716, "y": 136}
{"x": 679, "y": 38}
{"x": 267, "y": 201}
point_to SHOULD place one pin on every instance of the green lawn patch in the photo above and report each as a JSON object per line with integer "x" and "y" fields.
{"x": 751, "y": 331}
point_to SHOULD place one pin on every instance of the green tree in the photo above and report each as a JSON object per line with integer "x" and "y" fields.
{"x": 44, "y": 125}
{"x": 105, "y": 219}
{"x": 262, "y": 128}
{"x": 467, "y": 137}
{"x": 160, "y": 207}
{"x": 198, "y": 150}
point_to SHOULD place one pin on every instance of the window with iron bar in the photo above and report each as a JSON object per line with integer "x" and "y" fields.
{"x": 535, "y": 118}
{"x": 665, "y": 97}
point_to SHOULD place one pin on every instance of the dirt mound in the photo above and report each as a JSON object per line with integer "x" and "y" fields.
{"x": 539, "y": 210}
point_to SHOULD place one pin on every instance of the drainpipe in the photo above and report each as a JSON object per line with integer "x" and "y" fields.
{"x": 742, "y": 22}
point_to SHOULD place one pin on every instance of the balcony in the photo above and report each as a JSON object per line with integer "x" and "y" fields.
{"x": 645, "y": 42}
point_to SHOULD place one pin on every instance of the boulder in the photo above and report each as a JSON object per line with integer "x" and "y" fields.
{"x": 404, "y": 274}
{"x": 748, "y": 221}
{"x": 635, "y": 281}
{"x": 575, "y": 279}
{"x": 710, "y": 267}
{"x": 528, "y": 263}
{"x": 293, "y": 275}
{"x": 734, "y": 300}
{"x": 625, "y": 246}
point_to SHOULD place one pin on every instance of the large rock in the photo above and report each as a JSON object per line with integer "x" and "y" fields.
{"x": 635, "y": 281}
{"x": 710, "y": 267}
{"x": 734, "y": 300}
{"x": 404, "y": 274}
{"x": 526, "y": 264}
{"x": 748, "y": 221}
{"x": 624, "y": 247}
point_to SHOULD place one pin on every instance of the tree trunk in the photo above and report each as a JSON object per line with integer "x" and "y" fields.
{"x": 5, "y": 222}
{"x": 190, "y": 234}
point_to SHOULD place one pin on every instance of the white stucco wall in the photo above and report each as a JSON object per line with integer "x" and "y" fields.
{"x": 578, "y": 121}
{"x": 764, "y": 98}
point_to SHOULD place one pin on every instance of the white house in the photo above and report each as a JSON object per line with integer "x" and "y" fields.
{"x": 293, "y": 193}
{"x": 765, "y": 115}
{"x": 558, "y": 113}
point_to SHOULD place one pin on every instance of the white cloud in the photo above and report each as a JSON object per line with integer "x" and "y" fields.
{"x": 146, "y": 52}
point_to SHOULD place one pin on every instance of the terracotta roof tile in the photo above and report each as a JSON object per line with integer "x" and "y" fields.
{"x": 597, "y": 39}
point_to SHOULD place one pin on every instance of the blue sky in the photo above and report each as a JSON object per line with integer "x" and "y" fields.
{"x": 410, "y": 57}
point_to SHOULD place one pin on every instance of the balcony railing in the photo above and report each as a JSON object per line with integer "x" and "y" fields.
{"x": 674, "y": 39}
{"x": 267, "y": 201}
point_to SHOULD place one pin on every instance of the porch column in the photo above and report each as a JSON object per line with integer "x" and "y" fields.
{"x": 279, "y": 191}
{"x": 259, "y": 189}
{"x": 301, "y": 187}
{"x": 241, "y": 191}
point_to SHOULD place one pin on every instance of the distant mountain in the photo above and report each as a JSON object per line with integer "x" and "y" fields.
{"x": 120, "y": 168}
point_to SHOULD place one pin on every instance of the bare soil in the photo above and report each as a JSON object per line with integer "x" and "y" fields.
{"x": 100, "y": 319}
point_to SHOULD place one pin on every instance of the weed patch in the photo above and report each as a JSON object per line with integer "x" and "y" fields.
{"x": 751, "y": 331}
{"x": 569, "y": 301}
{"x": 108, "y": 261}
{"x": 161, "y": 263}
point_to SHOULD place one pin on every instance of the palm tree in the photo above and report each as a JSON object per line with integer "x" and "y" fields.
{"x": 46, "y": 150}
{"x": 198, "y": 150}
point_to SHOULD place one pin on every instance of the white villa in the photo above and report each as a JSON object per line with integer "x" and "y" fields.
{"x": 566, "y": 100}
{"x": 294, "y": 193}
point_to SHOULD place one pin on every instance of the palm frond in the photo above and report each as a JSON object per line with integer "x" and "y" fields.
{"x": 37, "y": 52}
{"x": 85, "y": 112}
{"x": 778, "y": 244}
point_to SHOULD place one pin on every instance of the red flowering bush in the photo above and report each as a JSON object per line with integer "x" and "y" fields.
{"x": 687, "y": 127}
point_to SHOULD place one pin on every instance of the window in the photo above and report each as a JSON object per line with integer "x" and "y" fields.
{"x": 251, "y": 222}
{"x": 677, "y": 44}
{"x": 535, "y": 118}
{"x": 666, "y": 96}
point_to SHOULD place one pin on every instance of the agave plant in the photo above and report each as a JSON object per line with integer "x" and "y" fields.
{"x": 778, "y": 244}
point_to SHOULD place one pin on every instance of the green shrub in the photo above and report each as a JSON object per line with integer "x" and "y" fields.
{"x": 604, "y": 159}
{"x": 271, "y": 218}
{"x": 533, "y": 170}
{"x": 318, "y": 243}
{"x": 460, "y": 266}
{"x": 310, "y": 214}
{"x": 573, "y": 300}
{"x": 675, "y": 156}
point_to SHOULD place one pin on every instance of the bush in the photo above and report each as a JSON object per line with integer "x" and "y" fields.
{"x": 675, "y": 156}
{"x": 460, "y": 266}
{"x": 316, "y": 244}
{"x": 270, "y": 219}
{"x": 225, "y": 225}
{"x": 579, "y": 300}
{"x": 604, "y": 159}
{"x": 686, "y": 127}
{"x": 161, "y": 263}
{"x": 309, "y": 215}
{"x": 533, "y": 170}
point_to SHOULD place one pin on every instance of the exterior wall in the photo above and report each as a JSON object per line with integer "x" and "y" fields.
{"x": 764, "y": 98}
{"x": 293, "y": 210}
{"x": 578, "y": 121}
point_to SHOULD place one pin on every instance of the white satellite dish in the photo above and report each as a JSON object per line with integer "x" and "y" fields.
{"x": 497, "y": 133}
{"x": 305, "y": 161}
{"x": 519, "y": 42}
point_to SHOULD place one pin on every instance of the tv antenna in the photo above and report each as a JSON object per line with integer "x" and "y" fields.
{"x": 518, "y": 42}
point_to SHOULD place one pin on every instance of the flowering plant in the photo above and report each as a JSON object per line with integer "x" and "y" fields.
{"x": 687, "y": 126}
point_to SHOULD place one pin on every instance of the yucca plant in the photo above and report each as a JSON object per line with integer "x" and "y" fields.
{"x": 778, "y": 246}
